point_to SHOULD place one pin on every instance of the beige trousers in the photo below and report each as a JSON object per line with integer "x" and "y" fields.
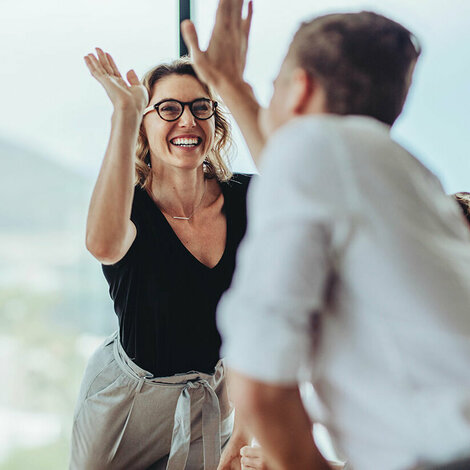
{"x": 126, "y": 419}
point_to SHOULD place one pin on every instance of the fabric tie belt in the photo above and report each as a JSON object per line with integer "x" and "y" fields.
{"x": 181, "y": 435}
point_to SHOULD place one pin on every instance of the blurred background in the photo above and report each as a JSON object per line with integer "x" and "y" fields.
{"x": 54, "y": 125}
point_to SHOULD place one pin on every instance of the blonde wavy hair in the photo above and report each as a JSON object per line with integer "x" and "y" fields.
{"x": 217, "y": 162}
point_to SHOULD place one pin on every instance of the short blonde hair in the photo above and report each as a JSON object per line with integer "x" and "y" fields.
{"x": 217, "y": 162}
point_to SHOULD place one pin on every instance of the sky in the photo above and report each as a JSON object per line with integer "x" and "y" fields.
{"x": 51, "y": 103}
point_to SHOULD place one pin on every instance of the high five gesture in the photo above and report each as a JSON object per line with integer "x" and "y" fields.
{"x": 110, "y": 232}
{"x": 223, "y": 63}
{"x": 123, "y": 95}
{"x": 225, "y": 58}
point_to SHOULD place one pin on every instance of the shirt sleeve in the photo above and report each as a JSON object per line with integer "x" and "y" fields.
{"x": 285, "y": 262}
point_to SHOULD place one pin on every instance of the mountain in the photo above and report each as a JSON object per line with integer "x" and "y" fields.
{"x": 43, "y": 207}
{"x": 38, "y": 194}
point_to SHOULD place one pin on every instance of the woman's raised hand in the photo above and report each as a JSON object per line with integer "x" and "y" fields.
{"x": 124, "y": 96}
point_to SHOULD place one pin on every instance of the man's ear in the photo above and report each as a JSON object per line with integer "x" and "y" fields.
{"x": 301, "y": 90}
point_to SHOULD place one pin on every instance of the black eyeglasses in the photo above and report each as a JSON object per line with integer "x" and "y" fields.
{"x": 171, "y": 110}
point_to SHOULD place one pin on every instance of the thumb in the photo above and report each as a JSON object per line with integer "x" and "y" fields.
{"x": 132, "y": 77}
{"x": 189, "y": 33}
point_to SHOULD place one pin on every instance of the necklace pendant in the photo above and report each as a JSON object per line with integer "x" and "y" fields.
{"x": 181, "y": 218}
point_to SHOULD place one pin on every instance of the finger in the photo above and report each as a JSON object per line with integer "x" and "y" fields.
{"x": 251, "y": 451}
{"x": 94, "y": 65}
{"x": 89, "y": 64}
{"x": 251, "y": 463}
{"x": 133, "y": 78}
{"x": 223, "y": 13}
{"x": 236, "y": 13}
{"x": 113, "y": 65}
{"x": 104, "y": 61}
{"x": 229, "y": 14}
{"x": 246, "y": 24}
{"x": 335, "y": 465}
{"x": 188, "y": 30}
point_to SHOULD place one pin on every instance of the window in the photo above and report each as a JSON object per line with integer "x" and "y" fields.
{"x": 54, "y": 127}
{"x": 434, "y": 122}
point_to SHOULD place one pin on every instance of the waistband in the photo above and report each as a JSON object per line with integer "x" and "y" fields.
{"x": 131, "y": 368}
{"x": 188, "y": 382}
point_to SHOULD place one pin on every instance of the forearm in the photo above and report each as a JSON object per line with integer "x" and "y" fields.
{"x": 240, "y": 433}
{"x": 278, "y": 419}
{"x": 240, "y": 100}
{"x": 111, "y": 201}
{"x": 222, "y": 65}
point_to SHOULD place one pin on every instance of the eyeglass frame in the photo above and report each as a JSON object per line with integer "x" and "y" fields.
{"x": 183, "y": 105}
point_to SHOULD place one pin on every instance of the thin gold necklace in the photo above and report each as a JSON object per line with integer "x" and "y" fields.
{"x": 195, "y": 209}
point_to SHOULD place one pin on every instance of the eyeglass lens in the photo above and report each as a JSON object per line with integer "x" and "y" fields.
{"x": 171, "y": 110}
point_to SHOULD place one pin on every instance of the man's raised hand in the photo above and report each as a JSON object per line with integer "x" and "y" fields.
{"x": 224, "y": 60}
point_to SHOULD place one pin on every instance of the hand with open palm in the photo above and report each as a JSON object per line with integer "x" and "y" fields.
{"x": 225, "y": 57}
{"x": 125, "y": 96}
{"x": 222, "y": 65}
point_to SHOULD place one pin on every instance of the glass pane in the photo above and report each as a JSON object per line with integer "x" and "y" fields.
{"x": 54, "y": 126}
{"x": 434, "y": 121}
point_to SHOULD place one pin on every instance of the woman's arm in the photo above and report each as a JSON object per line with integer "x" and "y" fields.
{"x": 110, "y": 232}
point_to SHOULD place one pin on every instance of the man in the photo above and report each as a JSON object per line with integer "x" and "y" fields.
{"x": 355, "y": 270}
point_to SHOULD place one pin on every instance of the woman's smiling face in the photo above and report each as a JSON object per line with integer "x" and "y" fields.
{"x": 183, "y": 143}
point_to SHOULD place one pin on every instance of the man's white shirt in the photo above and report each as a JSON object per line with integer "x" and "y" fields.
{"x": 355, "y": 270}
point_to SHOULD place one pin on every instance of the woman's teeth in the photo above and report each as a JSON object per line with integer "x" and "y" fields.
{"x": 185, "y": 142}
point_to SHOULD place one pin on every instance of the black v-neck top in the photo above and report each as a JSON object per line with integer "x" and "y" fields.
{"x": 164, "y": 297}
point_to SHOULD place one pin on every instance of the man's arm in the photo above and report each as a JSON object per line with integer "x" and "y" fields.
{"x": 222, "y": 65}
{"x": 268, "y": 317}
{"x": 241, "y": 437}
{"x": 276, "y": 416}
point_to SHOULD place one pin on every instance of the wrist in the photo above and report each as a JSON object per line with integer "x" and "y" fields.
{"x": 240, "y": 438}
{"x": 129, "y": 114}
{"x": 233, "y": 90}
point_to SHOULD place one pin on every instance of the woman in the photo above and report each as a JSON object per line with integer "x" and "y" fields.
{"x": 154, "y": 395}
